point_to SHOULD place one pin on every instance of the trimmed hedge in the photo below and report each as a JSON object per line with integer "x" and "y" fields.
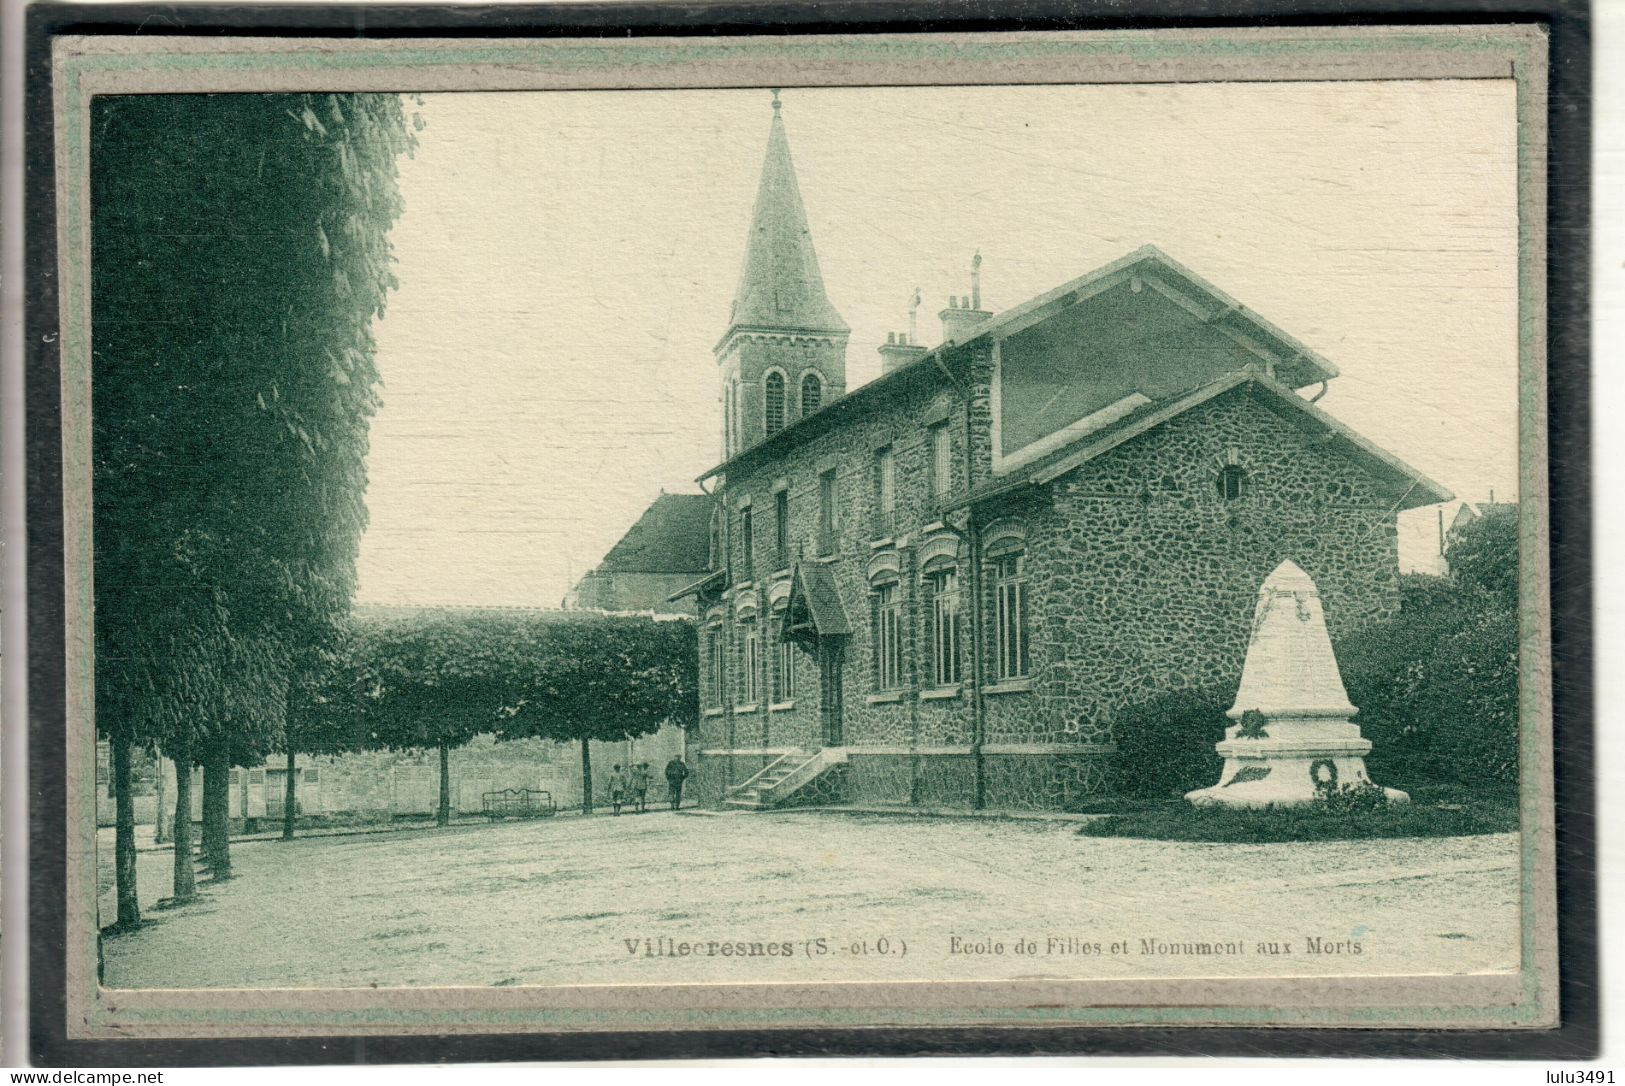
{"x": 1180, "y": 821}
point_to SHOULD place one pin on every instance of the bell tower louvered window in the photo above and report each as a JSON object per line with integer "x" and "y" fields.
{"x": 812, "y": 394}
{"x": 773, "y": 402}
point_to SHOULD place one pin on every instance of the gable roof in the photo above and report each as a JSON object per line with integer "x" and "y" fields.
{"x": 672, "y": 536}
{"x": 1410, "y": 487}
{"x": 1220, "y": 309}
{"x": 1305, "y": 367}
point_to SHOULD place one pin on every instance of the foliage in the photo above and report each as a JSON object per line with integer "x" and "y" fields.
{"x": 1335, "y": 818}
{"x": 427, "y": 677}
{"x": 1438, "y": 688}
{"x": 1484, "y": 552}
{"x": 1165, "y": 745}
{"x": 240, "y": 257}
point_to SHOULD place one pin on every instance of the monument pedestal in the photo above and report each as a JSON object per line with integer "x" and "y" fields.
{"x": 1297, "y": 762}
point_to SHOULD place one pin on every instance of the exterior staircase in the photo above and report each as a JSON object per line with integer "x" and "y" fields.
{"x": 786, "y": 777}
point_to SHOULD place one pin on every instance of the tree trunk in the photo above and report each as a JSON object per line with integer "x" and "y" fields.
{"x": 185, "y": 887}
{"x": 290, "y": 800}
{"x": 586, "y": 775}
{"x": 129, "y": 904}
{"x": 159, "y": 835}
{"x": 217, "y": 808}
{"x": 443, "y": 816}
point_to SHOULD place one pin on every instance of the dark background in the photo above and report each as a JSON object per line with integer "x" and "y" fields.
{"x": 1568, "y": 313}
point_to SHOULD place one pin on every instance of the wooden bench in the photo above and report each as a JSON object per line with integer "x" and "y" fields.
{"x": 518, "y": 803}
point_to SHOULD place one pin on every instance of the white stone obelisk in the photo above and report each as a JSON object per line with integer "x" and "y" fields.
{"x": 1293, "y": 739}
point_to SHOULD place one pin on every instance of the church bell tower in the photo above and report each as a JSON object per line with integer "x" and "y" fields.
{"x": 784, "y": 353}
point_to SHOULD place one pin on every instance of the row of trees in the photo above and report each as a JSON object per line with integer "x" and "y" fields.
{"x": 240, "y": 255}
{"x": 427, "y": 680}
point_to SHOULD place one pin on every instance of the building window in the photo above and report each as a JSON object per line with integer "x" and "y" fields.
{"x": 1232, "y": 483}
{"x": 1010, "y": 620}
{"x": 749, "y": 663}
{"x": 773, "y": 402}
{"x": 812, "y": 394}
{"x": 714, "y": 558}
{"x": 942, "y": 461}
{"x": 781, "y": 529}
{"x": 942, "y": 627}
{"x": 713, "y": 659}
{"x": 888, "y": 637}
{"x": 826, "y": 512}
{"x": 784, "y": 672}
{"x": 885, "y": 491}
{"x": 747, "y": 548}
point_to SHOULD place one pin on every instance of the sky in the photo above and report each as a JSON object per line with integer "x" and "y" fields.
{"x": 567, "y": 260}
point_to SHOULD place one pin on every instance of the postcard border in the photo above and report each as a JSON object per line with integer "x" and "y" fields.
{"x": 1563, "y": 267}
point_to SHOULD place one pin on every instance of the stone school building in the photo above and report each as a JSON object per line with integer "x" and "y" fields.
{"x": 940, "y": 587}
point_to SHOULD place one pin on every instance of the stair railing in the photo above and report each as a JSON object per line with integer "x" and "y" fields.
{"x": 749, "y": 782}
{"x": 804, "y": 774}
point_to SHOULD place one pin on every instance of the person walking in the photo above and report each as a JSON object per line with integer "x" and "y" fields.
{"x": 676, "y": 774}
{"x": 617, "y": 788}
{"x": 640, "y": 786}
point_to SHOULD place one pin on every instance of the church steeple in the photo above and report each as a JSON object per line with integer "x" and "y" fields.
{"x": 780, "y": 285}
{"x": 784, "y": 353}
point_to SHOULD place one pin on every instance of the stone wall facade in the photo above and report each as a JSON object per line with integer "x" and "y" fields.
{"x": 1140, "y": 577}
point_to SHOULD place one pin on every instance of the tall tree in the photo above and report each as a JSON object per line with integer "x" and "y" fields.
{"x": 240, "y": 254}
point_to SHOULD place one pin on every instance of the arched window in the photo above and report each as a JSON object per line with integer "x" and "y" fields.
{"x": 812, "y": 394}
{"x": 886, "y": 604}
{"x": 784, "y": 662}
{"x": 941, "y": 583}
{"x": 711, "y": 648}
{"x": 1008, "y": 562}
{"x": 1232, "y": 483}
{"x": 750, "y": 660}
{"x": 773, "y": 402}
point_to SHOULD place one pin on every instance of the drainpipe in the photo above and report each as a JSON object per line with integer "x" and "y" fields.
{"x": 972, "y": 535}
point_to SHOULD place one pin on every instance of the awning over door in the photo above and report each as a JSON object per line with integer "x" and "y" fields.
{"x": 814, "y": 609}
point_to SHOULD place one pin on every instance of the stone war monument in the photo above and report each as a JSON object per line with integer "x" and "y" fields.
{"x": 1292, "y": 740}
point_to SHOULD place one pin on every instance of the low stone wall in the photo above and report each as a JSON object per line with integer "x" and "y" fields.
{"x": 1034, "y": 781}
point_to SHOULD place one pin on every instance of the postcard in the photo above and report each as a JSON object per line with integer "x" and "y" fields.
{"x": 903, "y": 530}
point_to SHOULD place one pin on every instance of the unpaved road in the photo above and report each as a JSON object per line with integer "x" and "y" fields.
{"x": 614, "y": 900}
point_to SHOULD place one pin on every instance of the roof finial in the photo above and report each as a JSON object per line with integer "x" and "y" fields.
{"x": 914, "y": 317}
{"x": 775, "y": 99}
{"x": 976, "y": 280}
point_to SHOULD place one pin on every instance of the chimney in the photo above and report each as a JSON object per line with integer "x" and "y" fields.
{"x": 898, "y": 351}
{"x": 965, "y": 313}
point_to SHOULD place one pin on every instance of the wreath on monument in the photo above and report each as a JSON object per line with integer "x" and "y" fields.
{"x": 1323, "y": 773}
{"x": 1252, "y": 726}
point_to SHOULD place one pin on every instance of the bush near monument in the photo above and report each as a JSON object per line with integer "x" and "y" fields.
{"x": 1437, "y": 689}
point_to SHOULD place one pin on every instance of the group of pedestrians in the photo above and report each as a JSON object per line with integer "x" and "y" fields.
{"x": 629, "y": 785}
